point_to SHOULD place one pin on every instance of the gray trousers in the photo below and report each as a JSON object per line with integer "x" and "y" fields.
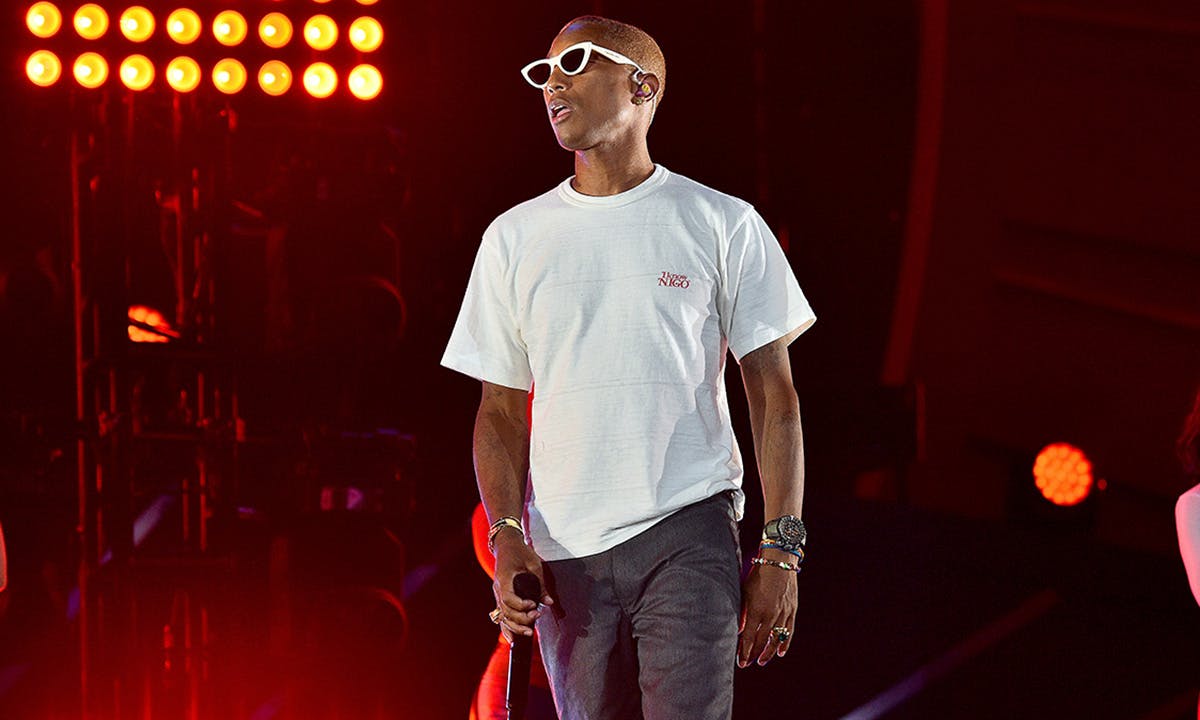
{"x": 648, "y": 629}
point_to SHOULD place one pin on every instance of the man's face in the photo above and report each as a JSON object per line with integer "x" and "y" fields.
{"x": 591, "y": 108}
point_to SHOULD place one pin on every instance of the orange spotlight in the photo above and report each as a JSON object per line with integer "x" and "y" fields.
{"x": 91, "y": 70}
{"x": 367, "y": 2}
{"x": 91, "y": 22}
{"x": 365, "y": 82}
{"x": 184, "y": 26}
{"x": 147, "y": 325}
{"x": 320, "y": 80}
{"x": 366, "y": 34}
{"x": 43, "y": 19}
{"x": 229, "y": 76}
{"x": 43, "y": 68}
{"x": 137, "y": 72}
{"x": 229, "y": 27}
{"x": 137, "y": 24}
{"x": 1063, "y": 474}
{"x": 274, "y": 77}
{"x": 320, "y": 32}
{"x": 183, "y": 74}
{"x": 275, "y": 30}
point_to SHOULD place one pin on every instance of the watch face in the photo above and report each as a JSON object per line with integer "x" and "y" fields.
{"x": 791, "y": 530}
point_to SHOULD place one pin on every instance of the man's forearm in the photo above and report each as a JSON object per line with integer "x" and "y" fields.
{"x": 780, "y": 446}
{"x": 501, "y": 449}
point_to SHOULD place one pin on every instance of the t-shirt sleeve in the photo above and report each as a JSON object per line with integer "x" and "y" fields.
{"x": 486, "y": 342}
{"x": 759, "y": 298}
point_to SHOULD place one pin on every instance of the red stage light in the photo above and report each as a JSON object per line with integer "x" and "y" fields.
{"x": 366, "y": 34}
{"x": 365, "y": 82}
{"x": 137, "y": 72}
{"x": 137, "y": 24}
{"x": 147, "y": 325}
{"x": 91, "y": 70}
{"x": 184, "y": 26}
{"x": 43, "y": 68}
{"x": 1063, "y": 474}
{"x": 320, "y": 80}
{"x": 229, "y": 28}
{"x": 43, "y": 19}
{"x": 183, "y": 74}
{"x": 320, "y": 32}
{"x": 275, "y": 77}
{"x": 91, "y": 22}
{"x": 229, "y": 76}
{"x": 275, "y": 30}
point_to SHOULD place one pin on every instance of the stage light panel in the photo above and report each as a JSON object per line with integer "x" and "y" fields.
{"x": 229, "y": 76}
{"x": 91, "y": 70}
{"x": 183, "y": 74}
{"x": 1063, "y": 474}
{"x": 137, "y": 72}
{"x": 184, "y": 26}
{"x": 137, "y": 24}
{"x": 43, "y": 68}
{"x": 366, "y": 34}
{"x": 365, "y": 82}
{"x": 44, "y": 19}
{"x": 275, "y": 30}
{"x": 320, "y": 80}
{"x": 275, "y": 77}
{"x": 320, "y": 32}
{"x": 91, "y": 22}
{"x": 229, "y": 27}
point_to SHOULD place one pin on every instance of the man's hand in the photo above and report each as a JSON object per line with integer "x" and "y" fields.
{"x": 768, "y": 602}
{"x": 513, "y": 557}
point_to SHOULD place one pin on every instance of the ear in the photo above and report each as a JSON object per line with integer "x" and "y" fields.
{"x": 645, "y": 85}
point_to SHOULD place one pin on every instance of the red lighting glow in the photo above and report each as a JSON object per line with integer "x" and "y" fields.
{"x": 1063, "y": 474}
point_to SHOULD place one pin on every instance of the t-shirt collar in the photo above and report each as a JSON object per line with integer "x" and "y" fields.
{"x": 637, "y": 192}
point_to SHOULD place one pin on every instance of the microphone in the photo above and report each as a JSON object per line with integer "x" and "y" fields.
{"x": 520, "y": 653}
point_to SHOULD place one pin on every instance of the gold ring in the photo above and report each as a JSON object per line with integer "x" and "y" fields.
{"x": 781, "y": 633}
{"x": 494, "y": 616}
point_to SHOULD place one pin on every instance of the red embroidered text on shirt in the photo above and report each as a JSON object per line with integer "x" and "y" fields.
{"x": 672, "y": 280}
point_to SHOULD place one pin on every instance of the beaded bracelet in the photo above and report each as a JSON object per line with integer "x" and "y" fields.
{"x": 798, "y": 553}
{"x": 494, "y": 530}
{"x": 776, "y": 563}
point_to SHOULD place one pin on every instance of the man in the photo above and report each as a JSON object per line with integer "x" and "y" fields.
{"x": 618, "y": 295}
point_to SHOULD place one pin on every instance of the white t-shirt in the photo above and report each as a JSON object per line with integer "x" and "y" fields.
{"x": 620, "y": 309}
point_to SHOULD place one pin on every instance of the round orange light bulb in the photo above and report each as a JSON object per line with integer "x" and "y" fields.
{"x": 320, "y": 80}
{"x": 44, "y": 19}
{"x": 365, "y": 82}
{"x": 91, "y": 70}
{"x": 320, "y": 32}
{"x": 183, "y": 74}
{"x": 91, "y": 22}
{"x": 43, "y": 68}
{"x": 366, "y": 34}
{"x": 137, "y": 24}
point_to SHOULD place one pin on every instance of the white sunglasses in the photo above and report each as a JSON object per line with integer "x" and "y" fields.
{"x": 571, "y": 61}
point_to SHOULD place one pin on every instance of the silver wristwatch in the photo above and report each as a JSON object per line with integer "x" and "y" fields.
{"x": 787, "y": 532}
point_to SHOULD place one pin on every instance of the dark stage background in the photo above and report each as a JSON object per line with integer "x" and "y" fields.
{"x": 991, "y": 205}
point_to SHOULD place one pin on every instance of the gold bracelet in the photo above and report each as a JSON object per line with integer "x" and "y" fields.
{"x": 775, "y": 563}
{"x": 494, "y": 530}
